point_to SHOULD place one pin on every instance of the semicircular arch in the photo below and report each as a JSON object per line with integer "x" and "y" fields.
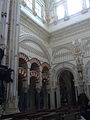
{"x": 65, "y": 66}
{"x": 36, "y": 40}
{"x": 35, "y": 60}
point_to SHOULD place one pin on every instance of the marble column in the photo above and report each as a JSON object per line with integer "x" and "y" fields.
{"x": 76, "y": 92}
{"x": 52, "y": 100}
{"x": 28, "y": 73}
{"x": 66, "y": 17}
{"x": 12, "y": 43}
{"x": 32, "y": 99}
{"x": 58, "y": 97}
{"x": 45, "y": 98}
{"x": 40, "y": 79}
{"x": 88, "y": 92}
{"x": 38, "y": 98}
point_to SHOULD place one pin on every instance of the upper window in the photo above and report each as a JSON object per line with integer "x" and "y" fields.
{"x": 29, "y": 3}
{"x": 87, "y": 3}
{"x": 74, "y": 6}
{"x": 38, "y": 9}
{"x": 58, "y": 0}
{"x": 60, "y": 11}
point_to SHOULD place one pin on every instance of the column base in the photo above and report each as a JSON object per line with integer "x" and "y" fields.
{"x": 11, "y": 107}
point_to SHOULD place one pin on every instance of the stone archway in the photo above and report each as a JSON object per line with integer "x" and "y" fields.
{"x": 57, "y": 70}
{"x": 67, "y": 88}
{"x": 38, "y": 41}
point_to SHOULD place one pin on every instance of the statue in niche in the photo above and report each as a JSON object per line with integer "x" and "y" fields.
{"x": 5, "y": 77}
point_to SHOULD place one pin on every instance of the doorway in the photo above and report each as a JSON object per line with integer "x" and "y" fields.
{"x": 67, "y": 88}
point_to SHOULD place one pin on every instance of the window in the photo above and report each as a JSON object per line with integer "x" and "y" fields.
{"x": 87, "y": 3}
{"x": 58, "y": 0}
{"x": 38, "y": 9}
{"x": 29, "y": 3}
{"x": 60, "y": 11}
{"x": 74, "y": 6}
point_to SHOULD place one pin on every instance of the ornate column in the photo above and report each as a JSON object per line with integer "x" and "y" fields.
{"x": 38, "y": 87}
{"x": 78, "y": 55}
{"x": 66, "y": 17}
{"x": 47, "y": 11}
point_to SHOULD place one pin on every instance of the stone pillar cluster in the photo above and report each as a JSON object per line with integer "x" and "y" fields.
{"x": 9, "y": 38}
{"x": 78, "y": 55}
{"x": 38, "y": 83}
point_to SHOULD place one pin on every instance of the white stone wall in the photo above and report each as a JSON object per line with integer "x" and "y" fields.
{"x": 57, "y": 49}
{"x": 63, "y": 53}
{"x": 48, "y": 42}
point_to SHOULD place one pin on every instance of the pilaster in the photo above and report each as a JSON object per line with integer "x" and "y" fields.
{"x": 52, "y": 97}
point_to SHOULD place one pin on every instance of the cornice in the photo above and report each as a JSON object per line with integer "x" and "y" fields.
{"x": 71, "y": 30}
{"x": 61, "y": 33}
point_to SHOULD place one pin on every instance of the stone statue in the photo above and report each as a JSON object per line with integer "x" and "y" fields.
{"x": 5, "y": 77}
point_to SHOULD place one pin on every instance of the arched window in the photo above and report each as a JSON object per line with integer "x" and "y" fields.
{"x": 71, "y": 6}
